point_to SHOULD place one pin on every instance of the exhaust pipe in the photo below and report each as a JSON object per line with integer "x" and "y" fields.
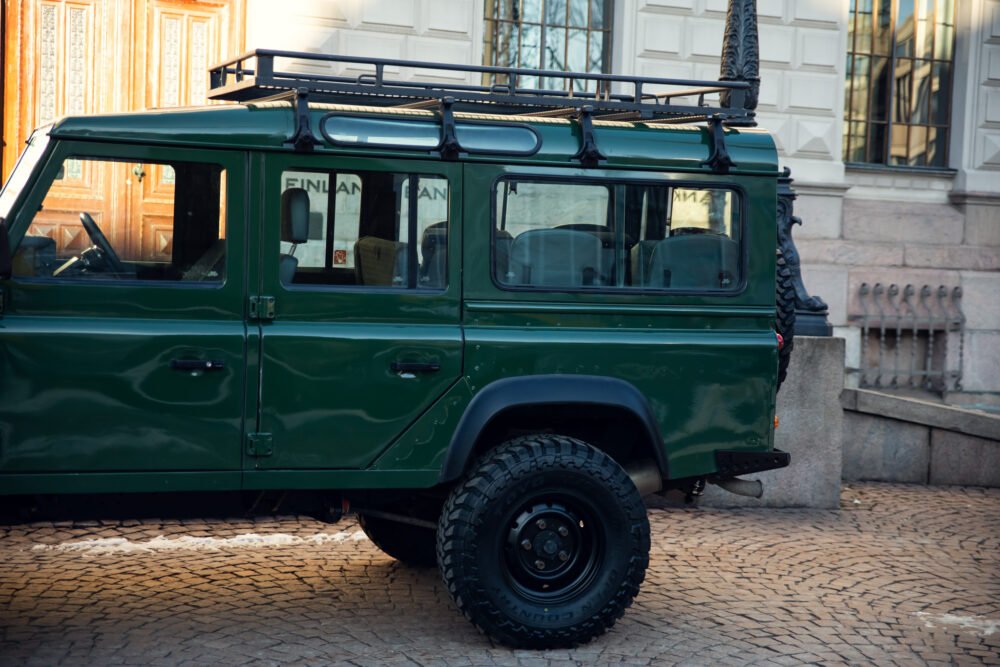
{"x": 751, "y": 488}
{"x": 645, "y": 474}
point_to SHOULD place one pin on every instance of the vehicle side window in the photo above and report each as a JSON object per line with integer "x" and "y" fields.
{"x": 360, "y": 231}
{"x": 553, "y": 235}
{"x": 690, "y": 239}
{"x": 105, "y": 219}
{"x": 615, "y": 235}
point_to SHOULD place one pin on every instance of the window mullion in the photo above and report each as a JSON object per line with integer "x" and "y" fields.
{"x": 891, "y": 101}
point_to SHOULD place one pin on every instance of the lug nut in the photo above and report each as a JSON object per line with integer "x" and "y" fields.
{"x": 540, "y": 524}
{"x": 526, "y": 545}
{"x": 563, "y": 531}
{"x": 540, "y": 564}
{"x": 563, "y": 556}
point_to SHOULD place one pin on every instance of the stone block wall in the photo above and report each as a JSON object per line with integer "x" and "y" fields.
{"x": 926, "y": 240}
{"x": 431, "y": 30}
{"x": 898, "y": 439}
{"x": 871, "y": 225}
{"x": 802, "y": 66}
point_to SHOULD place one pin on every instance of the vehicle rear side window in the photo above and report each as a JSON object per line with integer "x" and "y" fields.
{"x": 606, "y": 235}
{"x": 366, "y": 229}
{"x": 107, "y": 219}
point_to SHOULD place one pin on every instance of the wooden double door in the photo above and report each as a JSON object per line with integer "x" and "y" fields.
{"x": 73, "y": 57}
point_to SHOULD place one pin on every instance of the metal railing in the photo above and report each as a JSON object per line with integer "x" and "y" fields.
{"x": 911, "y": 336}
{"x": 263, "y": 73}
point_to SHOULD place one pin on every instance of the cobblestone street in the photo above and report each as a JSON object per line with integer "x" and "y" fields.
{"x": 900, "y": 575}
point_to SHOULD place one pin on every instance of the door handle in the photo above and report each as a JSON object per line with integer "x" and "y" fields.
{"x": 197, "y": 364}
{"x": 408, "y": 368}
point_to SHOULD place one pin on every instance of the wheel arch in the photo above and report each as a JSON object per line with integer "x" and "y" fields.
{"x": 519, "y": 402}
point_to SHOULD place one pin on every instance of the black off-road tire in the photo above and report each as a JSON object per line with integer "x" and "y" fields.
{"x": 409, "y": 544}
{"x": 785, "y": 320}
{"x": 504, "y": 519}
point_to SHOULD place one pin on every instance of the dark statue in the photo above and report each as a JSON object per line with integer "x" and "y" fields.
{"x": 810, "y": 311}
{"x": 741, "y": 62}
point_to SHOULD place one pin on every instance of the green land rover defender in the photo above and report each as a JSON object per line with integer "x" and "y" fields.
{"x": 489, "y": 319}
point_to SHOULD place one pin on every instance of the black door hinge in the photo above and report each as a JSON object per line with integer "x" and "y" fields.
{"x": 261, "y": 308}
{"x": 259, "y": 444}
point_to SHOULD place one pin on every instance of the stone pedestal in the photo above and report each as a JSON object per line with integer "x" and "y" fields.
{"x": 811, "y": 421}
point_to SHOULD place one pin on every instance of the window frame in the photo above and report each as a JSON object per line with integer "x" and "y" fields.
{"x": 892, "y": 98}
{"x": 436, "y": 122}
{"x": 741, "y": 208}
{"x": 412, "y": 207}
{"x": 59, "y": 151}
{"x": 493, "y": 20}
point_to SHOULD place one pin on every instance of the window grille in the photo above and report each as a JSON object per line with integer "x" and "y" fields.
{"x": 899, "y": 78}
{"x": 568, "y": 35}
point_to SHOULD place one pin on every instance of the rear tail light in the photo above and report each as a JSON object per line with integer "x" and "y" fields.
{"x": 781, "y": 340}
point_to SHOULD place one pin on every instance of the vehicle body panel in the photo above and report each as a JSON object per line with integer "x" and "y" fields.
{"x": 316, "y": 377}
{"x": 86, "y": 365}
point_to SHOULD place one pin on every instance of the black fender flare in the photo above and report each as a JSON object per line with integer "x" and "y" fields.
{"x": 533, "y": 390}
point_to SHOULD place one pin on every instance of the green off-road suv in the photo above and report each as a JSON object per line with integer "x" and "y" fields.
{"x": 490, "y": 319}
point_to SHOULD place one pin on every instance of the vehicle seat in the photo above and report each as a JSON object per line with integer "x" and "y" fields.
{"x": 434, "y": 252}
{"x": 606, "y": 235}
{"x": 211, "y": 265}
{"x": 36, "y": 256}
{"x": 555, "y": 258}
{"x": 380, "y": 262}
{"x": 291, "y": 199}
{"x": 697, "y": 261}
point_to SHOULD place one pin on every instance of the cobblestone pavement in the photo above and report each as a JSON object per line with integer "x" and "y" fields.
{"x": 900, "y": 575}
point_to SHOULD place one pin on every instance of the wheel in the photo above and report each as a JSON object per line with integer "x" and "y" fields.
{"x": 409, "y": 544}
{"x": 785, "y": 319}
{"x": 101, "y": 241}
{"x": 545, "y": 543}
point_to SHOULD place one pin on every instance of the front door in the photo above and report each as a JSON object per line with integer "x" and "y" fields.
{"x": 122, "y": 339}
{"x": 365, "y": 331}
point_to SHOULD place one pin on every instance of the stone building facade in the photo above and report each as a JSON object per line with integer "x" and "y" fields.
{"x": 862, "y": 224}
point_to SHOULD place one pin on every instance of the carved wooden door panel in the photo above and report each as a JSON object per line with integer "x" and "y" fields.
{"x": 66, "y": 61}
{"x": 176, "y": 42}
{"x": 71, "y": 57}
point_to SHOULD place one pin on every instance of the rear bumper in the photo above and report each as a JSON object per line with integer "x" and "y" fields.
{"x": 730, "y": 463}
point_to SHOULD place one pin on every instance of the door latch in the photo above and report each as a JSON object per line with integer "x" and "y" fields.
{"x": 261, "y": 308}
{"x": 259, "y": 444}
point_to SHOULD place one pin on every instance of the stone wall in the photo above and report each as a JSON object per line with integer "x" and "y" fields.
{"x": 802, "y": 66}
{"x": 870, "y": 225}
{"x": 432, "y": 30}
{"x": 923, "y": 240}
{"x": 899, "y": 439}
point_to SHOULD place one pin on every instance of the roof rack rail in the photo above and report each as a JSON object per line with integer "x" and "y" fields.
{"x": 255, "y": 76}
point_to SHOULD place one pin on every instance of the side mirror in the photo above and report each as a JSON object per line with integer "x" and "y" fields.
{"x": 5, "y": 260}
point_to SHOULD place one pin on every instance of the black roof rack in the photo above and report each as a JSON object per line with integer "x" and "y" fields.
{"x": 254, "y": 76}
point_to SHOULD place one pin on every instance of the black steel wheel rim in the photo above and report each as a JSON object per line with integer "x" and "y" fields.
{"x": 554, "y": 548}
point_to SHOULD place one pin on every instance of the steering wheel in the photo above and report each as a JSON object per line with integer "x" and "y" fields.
{"x": 101, "y": 241}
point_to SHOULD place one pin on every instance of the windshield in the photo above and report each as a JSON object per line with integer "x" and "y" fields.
{"x": 23, "y": 169}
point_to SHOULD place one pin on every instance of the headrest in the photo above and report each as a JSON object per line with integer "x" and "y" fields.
{"x": 295, "y": 215}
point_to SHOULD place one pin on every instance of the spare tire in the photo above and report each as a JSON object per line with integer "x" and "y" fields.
{"x": 785, "y": 315}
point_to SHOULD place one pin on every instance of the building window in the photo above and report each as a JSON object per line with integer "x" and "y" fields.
{"x": 898, "y": 88}
{"x": 567, "y": 35}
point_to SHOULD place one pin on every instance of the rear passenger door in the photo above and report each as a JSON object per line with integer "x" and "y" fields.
{"x": 365, "y": 332}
